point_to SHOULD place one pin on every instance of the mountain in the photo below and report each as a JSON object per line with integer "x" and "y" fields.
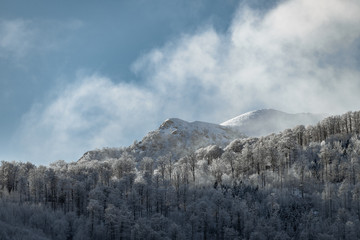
{"x": 178, "y": 137}
{"x": 266, "y": 121}
{"x": 174, "y": 136}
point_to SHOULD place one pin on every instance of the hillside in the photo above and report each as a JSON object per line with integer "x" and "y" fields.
{"x": 174, "y": 136}
{"x": 302, "y": 183}
{"x": 180, "y": 137}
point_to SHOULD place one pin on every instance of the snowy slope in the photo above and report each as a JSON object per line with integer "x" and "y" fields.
{"x": 174, "y": 136}
{"x": 179, "y": 137}
{"x": 267, "y": 121}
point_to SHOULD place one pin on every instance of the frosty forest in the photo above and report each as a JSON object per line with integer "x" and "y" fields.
{"x": 303, "y": 183}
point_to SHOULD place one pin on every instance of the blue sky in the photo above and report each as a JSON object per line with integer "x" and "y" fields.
{"x": 79, "y": 75}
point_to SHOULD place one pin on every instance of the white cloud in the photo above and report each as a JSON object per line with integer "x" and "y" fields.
{"x": 292, "y": 58}
{"x": 15, "y": 37}
{"x": 93, "y": 112}
{"x": 20, "y": 37}
{"x": 298, "y": 57}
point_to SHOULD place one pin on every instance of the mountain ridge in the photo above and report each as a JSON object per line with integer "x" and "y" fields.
{"x": 175, "y": 136}
{"x": 180, "y": 137}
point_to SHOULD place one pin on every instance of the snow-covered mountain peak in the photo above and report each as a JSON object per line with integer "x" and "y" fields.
{"x": 174, "y": 136}
{"x": 172, "y": 123}
{"x": 266, "y": 121}
{"x": 180, "y": 137}
{"x": 239, "y": 120}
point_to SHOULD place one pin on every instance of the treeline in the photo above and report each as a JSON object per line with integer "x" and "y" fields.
{"x": 303, "y": 183}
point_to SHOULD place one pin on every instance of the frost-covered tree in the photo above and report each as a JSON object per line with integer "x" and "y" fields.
{"x": 302, "y": 183}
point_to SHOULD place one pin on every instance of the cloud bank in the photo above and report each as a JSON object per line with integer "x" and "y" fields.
{"x": 91, "y": 113}
{"x": 297, "y": 57}
{"x": 301, "y": 56}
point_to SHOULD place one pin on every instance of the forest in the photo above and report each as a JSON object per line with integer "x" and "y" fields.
{"x": 302, "y": 183}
